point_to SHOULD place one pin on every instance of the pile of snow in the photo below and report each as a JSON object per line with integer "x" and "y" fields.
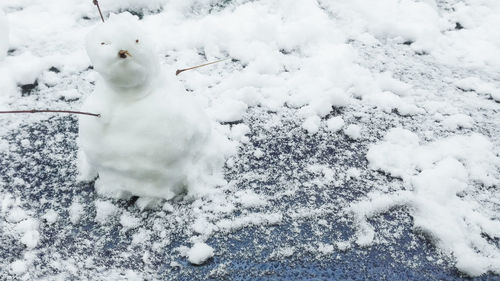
{"x": 4, "y": 35}
{"x": 439, "y": 177}
{"x": 151, "y": 139}
{"x": 472, "y": 38}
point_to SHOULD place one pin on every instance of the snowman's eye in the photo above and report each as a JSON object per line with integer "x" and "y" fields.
{"x": 136, "y": 40}
{"x": 102, "y": 43}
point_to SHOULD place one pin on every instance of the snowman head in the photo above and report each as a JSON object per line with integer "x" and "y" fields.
{"x": 121, "y": 53}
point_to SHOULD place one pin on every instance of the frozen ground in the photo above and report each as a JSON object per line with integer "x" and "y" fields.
{"x": 406, "y": 187}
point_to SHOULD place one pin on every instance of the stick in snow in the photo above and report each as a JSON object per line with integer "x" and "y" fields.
{"x": 51, "y": 111}
{"x": 99, "y": 8}
{"x": 179, "y": 71}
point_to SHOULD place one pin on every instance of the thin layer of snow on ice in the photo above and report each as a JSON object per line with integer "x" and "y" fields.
{"x": 310, "y": 96}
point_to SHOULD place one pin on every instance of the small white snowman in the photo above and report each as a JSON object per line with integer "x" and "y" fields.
{"x": 4, "y": 35}
{"x": 152, "y": 138}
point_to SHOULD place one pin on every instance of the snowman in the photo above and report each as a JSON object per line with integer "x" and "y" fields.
{"x": 152, "y": 138}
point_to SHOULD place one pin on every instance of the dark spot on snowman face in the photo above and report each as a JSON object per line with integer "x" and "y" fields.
{"x": 136, "y": 40}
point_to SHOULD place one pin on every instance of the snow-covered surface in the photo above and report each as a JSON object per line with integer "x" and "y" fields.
{"x": 367, "y": 139}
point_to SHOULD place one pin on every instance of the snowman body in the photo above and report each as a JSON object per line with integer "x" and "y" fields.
{"x": 152, "y": 138}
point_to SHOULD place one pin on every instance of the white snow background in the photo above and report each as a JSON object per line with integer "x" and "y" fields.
{"x": 365, "y": 122}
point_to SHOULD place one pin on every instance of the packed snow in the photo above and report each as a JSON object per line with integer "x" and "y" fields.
{"x": 438, "y": 178}
{"x": 334, "y": 137}
{"x": 151, "y": 138}
{"x": 200, "y": 253}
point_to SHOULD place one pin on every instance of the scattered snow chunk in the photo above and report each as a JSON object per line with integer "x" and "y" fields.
{"x": 258, "y": 153}
{"x": 334, "y": 124}
{"x": 353, "y": 173}
{"x": 343, "y": 245}
{"x": 311, "y": 124}
{"x": 248, "y": 198}
{"x": 16, "y": 215}
{"x": 104, "y": 210}
{"x": 325, "y": 249}
{"x": 25, "y": 143}
{"x": 50, "y": 216}
{"x": 31, "y": 239}
{"x": 457, "y": 121}
{"x": 167, "y": 207}
{"x": 75, "y": 212}
{"x": 19, "y": 266}
{"x": 200, "y": 253}
{"x": 6, "y": 202}
{"x": 284, "y": 252}
{"x": 128, "y": 221}
{"x": 29, "y": 232}
{"x": 141, "y": 236}
{"x": 353, "y": 131}
{"x": 203, "y": 226}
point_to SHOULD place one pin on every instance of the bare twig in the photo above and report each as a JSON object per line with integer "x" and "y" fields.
{"x": 51, "y": 111}
{"x": 99, "y": 8}
{"x": 179, "y": 71}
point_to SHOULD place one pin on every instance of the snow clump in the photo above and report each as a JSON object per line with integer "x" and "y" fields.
{"x": 200, "y": 253}
{"x": 353, "y": 131}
